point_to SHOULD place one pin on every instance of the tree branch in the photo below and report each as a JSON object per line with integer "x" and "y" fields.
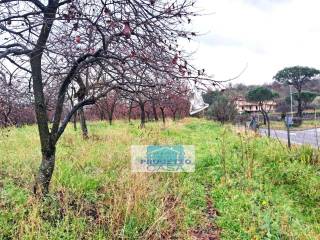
{"x": 14, "y": 51}
{"x": 37, "y": 3}
{"x": 89, "y": 101}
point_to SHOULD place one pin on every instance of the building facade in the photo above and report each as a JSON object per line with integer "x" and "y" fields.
{"x": 242, "y": 105}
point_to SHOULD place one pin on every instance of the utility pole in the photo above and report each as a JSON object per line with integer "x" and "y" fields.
{"x": 287, "y": 123}
{"x": 291, "y": 108}
{"x": 315, "y": 126}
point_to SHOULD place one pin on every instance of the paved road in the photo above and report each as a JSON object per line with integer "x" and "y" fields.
{"x": 297, "y": 137}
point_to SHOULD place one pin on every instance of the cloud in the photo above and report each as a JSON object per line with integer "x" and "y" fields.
{"x": 268, "y": 35}
{"x": 265, "y": 4}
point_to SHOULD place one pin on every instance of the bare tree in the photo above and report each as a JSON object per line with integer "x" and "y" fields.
{"x": 56, "y": 43}
{"x": 15, "y": 102}
{"x": 106, "y": 106}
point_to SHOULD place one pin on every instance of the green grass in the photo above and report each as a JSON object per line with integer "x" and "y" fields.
{"x": 260, "y": 190}
{"x": 306, "y": 124}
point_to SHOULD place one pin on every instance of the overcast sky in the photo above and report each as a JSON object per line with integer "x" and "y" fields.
{"x": 268, "y": 35}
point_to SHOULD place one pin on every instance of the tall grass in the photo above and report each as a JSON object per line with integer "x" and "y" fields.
{"x": 261, "y": 190}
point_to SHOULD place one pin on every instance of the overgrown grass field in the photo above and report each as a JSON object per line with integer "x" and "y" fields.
{"x": 244, "y": 186}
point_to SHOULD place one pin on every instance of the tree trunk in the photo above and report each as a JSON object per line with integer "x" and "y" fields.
{"x": 83, "y": 124}
{"x": 148, "y": 116}
{"x": 142, "y": 115}
{"x": 264, "y": 119}
{"x": 101, "y": 113}
{"x": 75, "y": 121}
{"x": 130, "y": 111}
{"x": 7, "y": 121}
{"x": 110, "y": 116}
{"x": 43, "y": 178}
{"x": 45, "y": 172}
{"x": 46, "y": 140}
{"x": 110, "y": 113}
{"x": 268, "y": 124}
{"x": 174, "y": 115}
{"x": 154, "y": 109}
{"x": 163, "y": 115}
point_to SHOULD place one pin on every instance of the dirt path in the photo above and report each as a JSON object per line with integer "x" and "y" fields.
{"x": 210, "y": 231}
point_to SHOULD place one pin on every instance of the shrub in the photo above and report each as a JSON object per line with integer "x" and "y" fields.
{"x": 222, "y": 109}
{"x": 297, "y": 121}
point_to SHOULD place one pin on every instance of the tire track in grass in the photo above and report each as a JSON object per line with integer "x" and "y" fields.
{"x": 171, "y": 217}
{"x": 210, "y": 231}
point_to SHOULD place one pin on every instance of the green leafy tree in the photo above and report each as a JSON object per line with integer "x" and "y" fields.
{"x": 221, "y": 107}
{"x": 306, "y": 98}
{"x": 316, "y": 102}
{"x": 297, "y": 77}
{"x": 261, "y": 95}
{"x": 211, "y": 96}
